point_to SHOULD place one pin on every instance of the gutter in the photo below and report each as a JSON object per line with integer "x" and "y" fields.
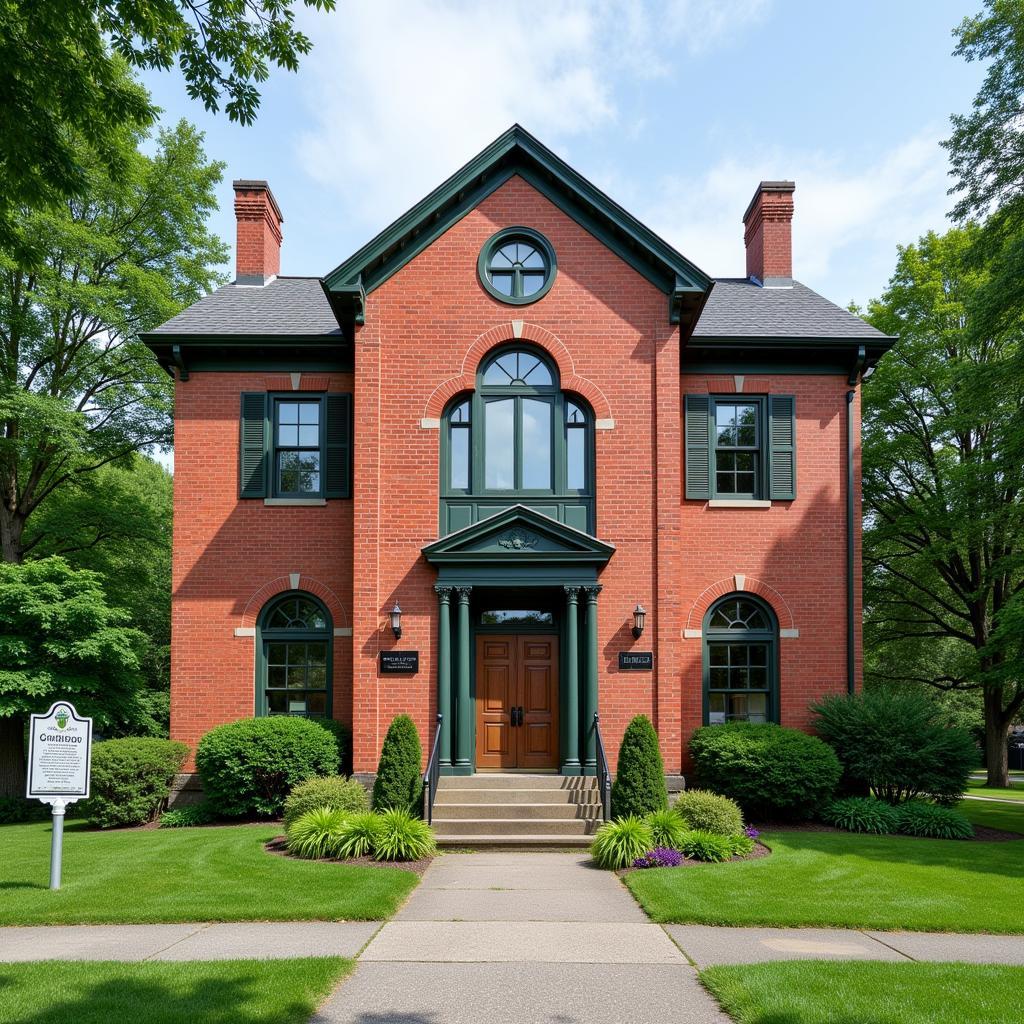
{"x": 851, "y": 652}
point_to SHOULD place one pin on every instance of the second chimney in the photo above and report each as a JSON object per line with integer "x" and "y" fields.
{"x": 258, "y": 239}
{"x": 768, "y": 235}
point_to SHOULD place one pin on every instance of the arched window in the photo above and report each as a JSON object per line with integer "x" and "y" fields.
{"x": 740, "y": 661}
{"x": 518, "y": 434}
{"x": 293, "y": 646}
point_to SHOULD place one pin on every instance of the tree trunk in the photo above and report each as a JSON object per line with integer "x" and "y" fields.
{"x": 12, "y": 528}
{"x": 12, "y": 756}
{"x": 997, "y": 734}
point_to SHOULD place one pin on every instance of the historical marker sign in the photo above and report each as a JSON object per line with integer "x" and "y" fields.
{"x": 59, "y": 754}
{"x": 636, "y": 661}
{"x": 399, "y": 662}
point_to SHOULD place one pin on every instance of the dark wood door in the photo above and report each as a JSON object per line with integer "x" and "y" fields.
{"x": 517, "y": 702}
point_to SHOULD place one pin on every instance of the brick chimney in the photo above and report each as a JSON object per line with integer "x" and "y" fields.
{"x": 258, "y": 244}
{"x": 768, "y": 235}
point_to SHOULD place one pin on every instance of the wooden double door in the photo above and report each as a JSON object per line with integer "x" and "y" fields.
{"x": 516, "y": 701}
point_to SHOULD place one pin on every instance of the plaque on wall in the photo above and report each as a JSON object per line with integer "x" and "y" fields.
{"x": 399, "y": 662}
{"x": 636, "y": 661}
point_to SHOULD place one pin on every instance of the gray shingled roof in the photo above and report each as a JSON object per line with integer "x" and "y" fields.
{"x": 736, "y": 308}
{"x": 287, "y": 306}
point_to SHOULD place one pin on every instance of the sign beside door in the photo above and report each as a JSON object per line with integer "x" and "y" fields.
{"x": 636, "y": 661}
{"x": 399, "y": 662}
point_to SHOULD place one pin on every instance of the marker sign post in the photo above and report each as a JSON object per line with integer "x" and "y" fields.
{"x": 59, "y": 761}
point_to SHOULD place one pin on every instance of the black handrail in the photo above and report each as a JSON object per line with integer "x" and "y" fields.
{"x": 604, "y": 775}
{"x": 432, "y": 775}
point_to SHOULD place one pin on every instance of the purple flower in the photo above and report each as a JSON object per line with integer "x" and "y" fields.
{"x": 750, "y": 832}
{"x": 659, "y": 857}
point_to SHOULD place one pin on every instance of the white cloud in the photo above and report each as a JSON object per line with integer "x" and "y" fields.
{"x": 848, "y": 218}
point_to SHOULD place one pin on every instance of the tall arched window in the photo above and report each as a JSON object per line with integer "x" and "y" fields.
{"x": 740, "y": 661}
{"x": 520, "y": 435}
{"x": 294, "y": 643}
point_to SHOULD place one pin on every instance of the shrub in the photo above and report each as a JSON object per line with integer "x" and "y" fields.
{"x": 343, "y": 737}
{"x": 618, "y": 843}
{"x": 893, "y": 742}
{"x": 188, "y": 816}
{"x": 333, "y": 791}
{"x": 400, "y": 836}
{"x": 357, "y": 836}
{"x": 131, "y": 779}
{"x": 861, "y": 814}
{"x": 709, "y": 812}
{"x": 741, "y": 845}
{"x": 317, "y": 833}
{"x": 248, "y": 767}
{"x": 917, "y": 818}
{"x": 659, "y": 857}
{"x": 770, "y": 771}
{"x": 709, "y": 846}
{"x": 667, "y": 829}
{"x": 639, "y": 786}
{"x": 16, "y": 809}
{"x": 399, "y": 785}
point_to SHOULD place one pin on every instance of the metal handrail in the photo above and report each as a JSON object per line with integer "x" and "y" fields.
{"x": 432, "y": 775}
{"x": 604, "y": 775}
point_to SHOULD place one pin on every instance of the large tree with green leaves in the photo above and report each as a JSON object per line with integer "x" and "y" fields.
{"x": 62, "y": 78}
{"x": 78, "y": 390}
{"x": 944, "y": 488}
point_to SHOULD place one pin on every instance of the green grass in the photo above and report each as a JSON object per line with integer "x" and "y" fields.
{"x": 978, "y": 788}
{"x": 849, "y": 881}
{"x": 819, "y": 992}
{"x": 189, "y": 874}
{"x": 1009, "y": 817}
{"x": 211, "y": 992}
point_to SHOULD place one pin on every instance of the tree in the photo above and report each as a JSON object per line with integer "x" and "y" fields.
{"x": 60, "y": 639}
{"x": 78, "y": 390}
{"x": 62, "y": 77}
{"x": 943, "y": 461}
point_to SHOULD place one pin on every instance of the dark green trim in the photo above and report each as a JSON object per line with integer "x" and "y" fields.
{"x": 780, "y": 443}
{"x": 286, "y": 364}
{"x": 851, "y": 647}
{"x": 503, "y": 237}
{"x": 253, "y": 445}
{"x": 770, "y": 354}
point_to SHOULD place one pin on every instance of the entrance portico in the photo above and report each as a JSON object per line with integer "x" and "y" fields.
{"x": 518, "y": 574}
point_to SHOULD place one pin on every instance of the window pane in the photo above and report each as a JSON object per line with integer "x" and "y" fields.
{"x": 309, "y": 412}
{"x": 299, "y": 472}
{"x": 309, "y": 436}
{"x": 317, "y": 654}
{"x": 520, "y": 616}
{"x": 317, "y": 676}
{"x": 276, "y": 675}
{"x": 296, "y": 704}
{"x": 737, "y": 706}
{"x": 460, "y": 414}
{"x": 758, "y": 654}
{"x": 757, "y": 707}
{"x": 503, "y": 257}
{"x": 718, "y": 654}
{"x": 538, "y": 374}
{"x": 758, "y": 678}
{"x": 296, "y": 677}
{"x": 725, "y": 422}
{"x": 287, "y": 435}
{"x": 499, "y": 453}
{"x": 744, "y": 461}
{"x": 574, "y": 414}
{"x": 503, "y": 369}
{"x": 536, "y": 444}
{"x": 288, "y": 412}
{"x": 502, "y": 283}
{"x": 534, "y": 261}
{"x": 744, "y": 483}
{"x": 277, "y": 654}
{"x": 716, "y": 708}
{"x": 532, "y": 283}
{"x": 277, "y": 703}
{"x": 316, "y": 703}
{"x": 460, "y": 458}
{"x": 576, "y": 475}
{"x": 718, "y": 678}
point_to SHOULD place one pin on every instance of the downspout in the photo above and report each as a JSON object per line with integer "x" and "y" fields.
{"x": 851, "y": 652}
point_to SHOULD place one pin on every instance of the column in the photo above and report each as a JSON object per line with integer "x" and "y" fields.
{"x": 463, "y": 708}
{"x": 444, "y": 672}
{"x": 590, "y": 690}
{"x": 572, "y": 683}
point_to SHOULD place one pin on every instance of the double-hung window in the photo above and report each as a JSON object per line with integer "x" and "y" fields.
{"x": 737, "y": 441}
{"x": 297, "y": 448}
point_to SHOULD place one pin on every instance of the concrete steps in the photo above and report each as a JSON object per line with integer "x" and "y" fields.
{"x": 520, "y": 811}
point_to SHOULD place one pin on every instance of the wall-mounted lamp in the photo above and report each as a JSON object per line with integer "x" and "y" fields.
{"x": 396, "y": 621}
{"x": 639, "y": 615}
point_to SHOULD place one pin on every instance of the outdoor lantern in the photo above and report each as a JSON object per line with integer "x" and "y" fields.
{"x": 638, "y": 621}
{"x": 396, "y": 621}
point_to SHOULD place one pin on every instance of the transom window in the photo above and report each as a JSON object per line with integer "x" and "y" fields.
{"x": 517, "y": 265}
{"x": 294, "y": 670}
{"x": 740, "y": 662}
{"x": 297, "y": 448}
{"x": 737, "y": 449}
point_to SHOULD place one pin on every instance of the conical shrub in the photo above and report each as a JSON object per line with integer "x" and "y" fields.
{"x": 399, "y": 785}
{"x": 639, "y": 786}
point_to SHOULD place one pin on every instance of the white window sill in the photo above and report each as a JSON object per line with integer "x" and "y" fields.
{"x": 737, "y": 503}
{"x": 294, "y": 501}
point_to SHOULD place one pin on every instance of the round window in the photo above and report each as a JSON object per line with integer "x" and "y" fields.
{"x": 517, "y": 265}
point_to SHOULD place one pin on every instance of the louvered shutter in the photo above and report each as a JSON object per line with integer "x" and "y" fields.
{"x": 698, "y": 446}
{"x": 252, "y": 461}
{"x": 338, "y": 446}
{"x": 782, "y": 441}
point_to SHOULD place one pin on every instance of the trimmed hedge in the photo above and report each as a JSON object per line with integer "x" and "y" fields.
{"x": 399, "y": 785}
{"x": 248, "y": 767}
{"x": 770, "y": 771}
{"x": 709, "y": 812}
{"x": 862, "y": 814}
{"x": 639, "y": 786}
{"x": 334, "y": 792}
{"x": 131, "y": 779}
{"x": 343, "y": 735}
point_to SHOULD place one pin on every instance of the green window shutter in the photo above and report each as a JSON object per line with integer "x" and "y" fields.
{"x": 252, "y": 461}
{"x": 338, "y": 446}
{"x": 782, "y": 439}
{"x": 698, "y": 446}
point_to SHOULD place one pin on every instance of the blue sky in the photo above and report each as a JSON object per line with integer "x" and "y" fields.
{"x": 676, "y": 109}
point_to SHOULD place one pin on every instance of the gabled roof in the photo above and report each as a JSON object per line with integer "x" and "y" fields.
{"x": 517, "y": 152}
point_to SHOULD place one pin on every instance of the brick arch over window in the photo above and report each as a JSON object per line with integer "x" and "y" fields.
{"x": 744, "y": 585}
{"x": 502, "y": 334}
{"x": 294, "y": 581}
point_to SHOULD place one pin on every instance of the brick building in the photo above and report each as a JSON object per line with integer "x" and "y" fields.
{"x": 591, "y": 477}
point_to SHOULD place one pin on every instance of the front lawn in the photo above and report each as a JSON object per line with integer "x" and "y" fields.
{"x": 1007, "y": 816}
{"x": 211, "y": 992}
{"x": 850, "y": 881}
{"x": 189, "y": 874}
{"x": 818, "y": 992}
{"x": 1013, "y": 793}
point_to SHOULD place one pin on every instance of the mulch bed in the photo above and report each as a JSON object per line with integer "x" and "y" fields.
{"x": 278, "y": 847}
{"x": 982, "y": 833}
{"x": 760, "y": 850}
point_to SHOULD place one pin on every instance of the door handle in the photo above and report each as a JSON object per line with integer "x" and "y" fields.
{"x": 517, "y": 716}
{"x": 520, "y": 714}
